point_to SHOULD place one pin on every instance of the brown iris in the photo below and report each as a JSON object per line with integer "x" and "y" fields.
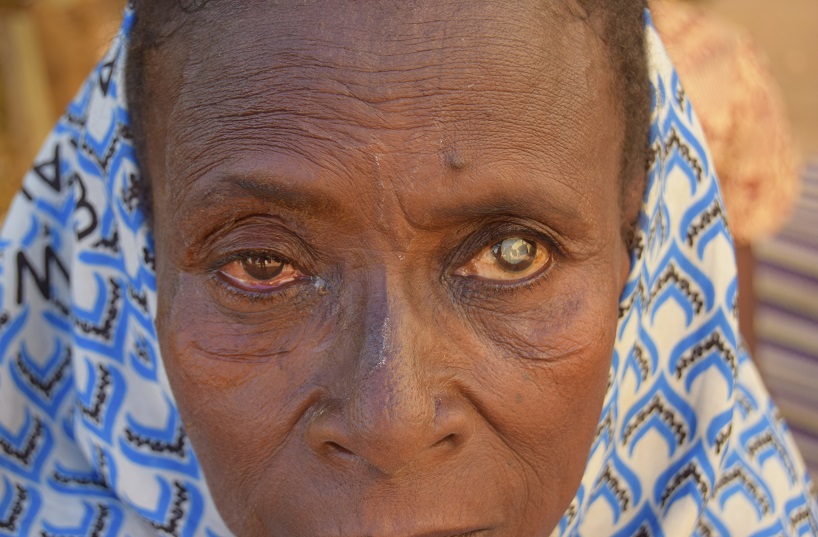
{"x": 259, "y": 272}
{"x": 262, "y": 267}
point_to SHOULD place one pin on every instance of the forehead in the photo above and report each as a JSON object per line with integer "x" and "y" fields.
{"x": 343, "y": 84}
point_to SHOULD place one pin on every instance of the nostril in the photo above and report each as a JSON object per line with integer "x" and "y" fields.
{"x": 451, "y": 440}
{"x": 333, "y": 447}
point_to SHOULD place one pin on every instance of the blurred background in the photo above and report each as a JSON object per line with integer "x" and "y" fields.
{"x": 786, "y": 265}
{"x": 47, "y": 47}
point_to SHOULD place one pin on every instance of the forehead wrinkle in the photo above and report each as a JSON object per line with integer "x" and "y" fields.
{"x": 382, "y": 47}
{"x": 271, "y": 76}
{"x": 267, "y": 95}
{"x": 405, "y": 27}
{"x": 302, "y": 65}
{"x": 326, "y": 147}
{"x": 311, "y": 123}
{"x": 318, "y": 141}
{"x": 256, "y": 158}
{"x": 264, "y": 115}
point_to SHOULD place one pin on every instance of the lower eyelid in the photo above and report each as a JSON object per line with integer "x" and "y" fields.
{"x": 480, "y": 294}
{"x": 486, "y": 252}
{"x": 294, "y": 274}
{"x": 237, "y": 297}
{"x": 474, "y": 288}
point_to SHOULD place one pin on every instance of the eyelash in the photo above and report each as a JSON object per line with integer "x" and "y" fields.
{"x": 484, "y": 238}
{"x": 236, "y": 292}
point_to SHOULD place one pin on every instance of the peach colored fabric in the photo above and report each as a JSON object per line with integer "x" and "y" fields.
{"x": 738, "y": 104}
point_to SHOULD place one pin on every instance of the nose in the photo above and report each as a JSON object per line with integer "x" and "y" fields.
{"x": 395, "y": 407}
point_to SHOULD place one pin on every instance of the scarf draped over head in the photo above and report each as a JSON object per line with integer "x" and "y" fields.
{"x": 91, "y": 441}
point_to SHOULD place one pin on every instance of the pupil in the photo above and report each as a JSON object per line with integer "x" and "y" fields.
{"x": 262, "y": 267}
{"x": 515, "y": 254}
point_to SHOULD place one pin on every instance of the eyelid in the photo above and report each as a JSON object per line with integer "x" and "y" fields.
{"x": 239, "y": 297}
{"x": 493, "y": 232}
{"x": 496, "y": 275}
{"x": 238, "y": 255}
{"x": 486, "y": 237}
{"x": 254, "y": 233}
{"x": 288, "y": 273}
{"x": 234, "y": 291}
{"x": 256, "y": 236}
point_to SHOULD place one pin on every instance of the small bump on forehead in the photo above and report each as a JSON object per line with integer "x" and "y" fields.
{"x": 456, "y": 160}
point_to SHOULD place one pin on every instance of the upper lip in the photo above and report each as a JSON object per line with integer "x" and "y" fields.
{"x": 473, "y": 531}
{"x": 452, "y": 533}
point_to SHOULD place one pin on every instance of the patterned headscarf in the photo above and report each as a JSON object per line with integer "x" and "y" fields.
{"x": 91, "y": 441}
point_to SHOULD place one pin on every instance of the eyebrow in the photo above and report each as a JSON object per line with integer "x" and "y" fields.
{"x": 502, "y": 201}
{"x": 536, "y": 197}
{"x": 275, "y": 189}
{"x": 306, "y": 196}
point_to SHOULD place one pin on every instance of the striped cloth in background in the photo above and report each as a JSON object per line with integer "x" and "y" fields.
{"x": 787, "y": 318}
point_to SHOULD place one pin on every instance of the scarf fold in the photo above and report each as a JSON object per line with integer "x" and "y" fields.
{"x": 91, "y": 442}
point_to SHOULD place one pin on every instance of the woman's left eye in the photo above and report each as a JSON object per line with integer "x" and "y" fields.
{"x": 510, "y": 260}
{"x": 259, "y": 272}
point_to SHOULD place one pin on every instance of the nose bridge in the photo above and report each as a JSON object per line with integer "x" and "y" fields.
{"x": 389, "y": 328}
{"x": 393, "y": 407}
{"x": 393, "y": 398}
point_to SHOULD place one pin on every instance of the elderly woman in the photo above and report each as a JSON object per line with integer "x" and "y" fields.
{"x": 398, "y": 269}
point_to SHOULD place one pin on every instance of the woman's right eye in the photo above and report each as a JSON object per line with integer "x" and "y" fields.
{"x": 259, "y": 272}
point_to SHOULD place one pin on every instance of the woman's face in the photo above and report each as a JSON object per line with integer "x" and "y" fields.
{"x": 389, "y": 261}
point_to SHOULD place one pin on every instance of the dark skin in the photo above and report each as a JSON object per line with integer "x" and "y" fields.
{"x": 389, "y": 261}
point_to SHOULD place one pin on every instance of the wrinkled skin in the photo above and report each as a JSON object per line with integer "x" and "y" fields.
{"x": 391, "y": 380}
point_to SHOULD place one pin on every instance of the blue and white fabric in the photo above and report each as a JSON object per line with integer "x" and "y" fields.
{"x": 91, "y": 444}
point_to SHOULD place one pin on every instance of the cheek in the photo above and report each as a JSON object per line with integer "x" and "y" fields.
{"x": 242, "y": 383}
{"x": 546, "y": 379}
{"x": 573, "y": 313}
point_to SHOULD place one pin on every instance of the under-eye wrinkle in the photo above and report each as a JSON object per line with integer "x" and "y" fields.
{"x": 235, "y": 298}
